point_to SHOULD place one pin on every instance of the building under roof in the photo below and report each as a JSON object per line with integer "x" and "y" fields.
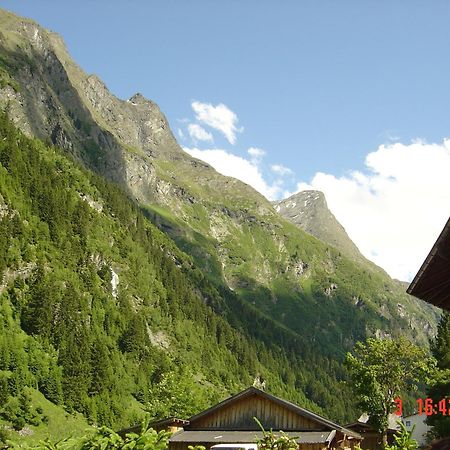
{"x": 171, "y": 424}
{"x": 372, "y": 439}
{"x": 232, "y": 422}
{"x": 432, "y": 282}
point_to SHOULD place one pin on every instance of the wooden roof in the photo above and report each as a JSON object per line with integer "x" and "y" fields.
{"x": 241, "y": 437}
{"x": 322, "y": 423}
{"x": 363, "y": 428}
{"x": 363, "y": 423}
{"x": 432, "y": 282}
{"x": 160, "y": 424}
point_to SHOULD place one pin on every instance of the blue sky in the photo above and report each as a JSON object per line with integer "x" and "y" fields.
{"x": 317, "y": 85}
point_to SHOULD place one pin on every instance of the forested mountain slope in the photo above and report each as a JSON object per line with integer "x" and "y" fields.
{"x": 103, "y": 314}
{"x": 291, "y": 305}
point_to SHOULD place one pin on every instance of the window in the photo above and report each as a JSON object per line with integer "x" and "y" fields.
{"x": 408, "y": 423}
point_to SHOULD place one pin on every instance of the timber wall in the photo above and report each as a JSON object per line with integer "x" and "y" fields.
{"x": 238, "y": 416}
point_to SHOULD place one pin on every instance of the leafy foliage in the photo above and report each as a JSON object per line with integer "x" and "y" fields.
{"x": 439, "y": 386}
{"x": 196, "y": 447}
{"x": 272, "y": 441}
{"x": 382, "y": 370}
{"x": 19, "y": 411}
{"x": 176, "y": 395}
{"x": 403, "y": 439}
{"x": 106, "y": 439}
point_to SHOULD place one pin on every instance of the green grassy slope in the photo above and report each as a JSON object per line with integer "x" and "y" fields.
{"x": 55, "y": 423}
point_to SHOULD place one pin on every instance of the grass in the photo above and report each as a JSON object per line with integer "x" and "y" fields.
{"x": 133, "y": 150}
{"x": 61, "y": 424}
{"x": 162, "y": 212}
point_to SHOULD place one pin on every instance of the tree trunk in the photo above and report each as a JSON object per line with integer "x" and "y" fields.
{"x": 384, "y": 438}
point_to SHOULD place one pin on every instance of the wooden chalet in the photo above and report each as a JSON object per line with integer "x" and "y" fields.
{"x": 372, "y": 439}
{"x": 432, "y": 282}
{"x": 232, "y": 422}
{"x": 172, "y": 424}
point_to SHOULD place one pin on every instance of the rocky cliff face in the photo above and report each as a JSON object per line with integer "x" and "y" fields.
{"x": 233, "y": 233}
{"x": 43, "y": 101}
{"x": 309, "y": 211}
{"x": 128, "y": 141}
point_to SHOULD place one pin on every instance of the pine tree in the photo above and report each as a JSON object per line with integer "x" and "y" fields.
{"x": 37, "y": 315}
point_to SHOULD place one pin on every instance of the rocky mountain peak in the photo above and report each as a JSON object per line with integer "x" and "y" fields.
{"x": 125, "y": 140}
{"x": 24, "y": 33}
{"x": 303, "y": 199}
{"x": 138, "y": 99}
{"x": 309, "y": 211}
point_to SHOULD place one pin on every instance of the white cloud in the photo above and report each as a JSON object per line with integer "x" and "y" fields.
{"x": 395, "y": 211}
{"x": 180, "y": 133}
{"x": 256, "y": 152}
{"x": 235, "y": 166}
{"x": 219, "y": 117}
{"x": 281, "y": 170}
{"x": 198, "y": 133}
{"x": 256, "y": 155}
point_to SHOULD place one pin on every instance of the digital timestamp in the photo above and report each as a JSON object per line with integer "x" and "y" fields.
{"x": 426, "y": 406}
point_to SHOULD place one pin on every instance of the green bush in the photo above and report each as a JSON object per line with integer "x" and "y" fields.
{"x": 106, "y": 439}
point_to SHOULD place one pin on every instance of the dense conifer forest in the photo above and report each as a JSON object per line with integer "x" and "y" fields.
{"x": 135, "y": 279}
{"x": 104, "y": 315}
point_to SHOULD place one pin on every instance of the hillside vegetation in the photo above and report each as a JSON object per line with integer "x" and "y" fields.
{"x": 102, "y": 314}
{"x": 132, "y": 273}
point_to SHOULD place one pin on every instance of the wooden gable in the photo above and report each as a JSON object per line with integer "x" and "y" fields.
{"x": 238, "y": 412}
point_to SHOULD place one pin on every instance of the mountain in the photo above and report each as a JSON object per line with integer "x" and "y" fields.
{"x": 309, "y": 211}
{"x": 103, "y": 315}
{"x": 288, "y": 304}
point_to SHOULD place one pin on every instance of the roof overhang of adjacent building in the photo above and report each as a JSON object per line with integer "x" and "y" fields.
{"x": 432, "y": 282}
{"x": 363, "y": 428}
{"x": 160, "y": 424}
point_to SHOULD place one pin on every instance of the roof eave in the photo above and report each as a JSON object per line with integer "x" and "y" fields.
{"x": 412, "y": 288}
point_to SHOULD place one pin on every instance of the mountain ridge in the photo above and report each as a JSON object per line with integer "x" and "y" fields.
{"x": 218, "y": 219}
{"x": 102, "y": 313}
{"x": 309, "y": 210}
{"x": 302, "y": 290}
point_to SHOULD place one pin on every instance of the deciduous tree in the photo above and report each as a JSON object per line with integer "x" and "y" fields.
{"x": 382, "y": 370}
{"x": 439, "y": 386}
